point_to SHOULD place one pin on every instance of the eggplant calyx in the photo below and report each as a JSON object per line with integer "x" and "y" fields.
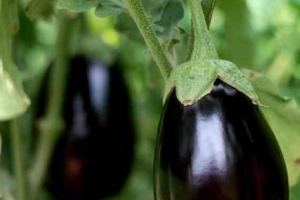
{"x": 195, "y": 79}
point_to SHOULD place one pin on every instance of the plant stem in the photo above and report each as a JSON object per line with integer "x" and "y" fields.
{"x": 203, "y": 47}
{"x": 138, "y": 14}
{"x": 208, "y": 9}
{"x": 18, "y": 161}
{"x": 52, "y": 124}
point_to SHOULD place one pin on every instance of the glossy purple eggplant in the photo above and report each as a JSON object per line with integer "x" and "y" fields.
{"x": 94, "y": 155}
{"x": 219, "y": 148}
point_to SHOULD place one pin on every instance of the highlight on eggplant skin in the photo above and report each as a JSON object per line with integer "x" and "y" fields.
{"x": 94, "y": 155}
{"x": 220, "y": 148}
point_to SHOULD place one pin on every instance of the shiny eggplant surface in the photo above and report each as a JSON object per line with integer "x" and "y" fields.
{"x": 93, "y": 157}
{"x": 220, "y": 148}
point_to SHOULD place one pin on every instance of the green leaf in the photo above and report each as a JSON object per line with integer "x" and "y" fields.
{"x": 169, "y": 46}
{"x": 104, "y": 8}
{"x": 77, "y": 5}
{"x": 163, "y": 14}
{"x": 109, "y": 8}
{"x": 127, "y": 27}
{"x": 171, "y": 14}
{"x": 283, "y": 116}
{"x": 153, "y": 8}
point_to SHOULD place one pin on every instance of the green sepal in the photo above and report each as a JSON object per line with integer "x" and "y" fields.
{"x": 192, "y": 81}
{"x": 195, "y": 79}
{"x": 230, "y": 74}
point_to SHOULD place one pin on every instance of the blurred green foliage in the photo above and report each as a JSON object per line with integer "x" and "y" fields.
{"x": 255, "y": 34}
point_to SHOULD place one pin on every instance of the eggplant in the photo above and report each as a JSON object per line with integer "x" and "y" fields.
{"x": 219, "y": 148}
{"x": 93, "y": 157}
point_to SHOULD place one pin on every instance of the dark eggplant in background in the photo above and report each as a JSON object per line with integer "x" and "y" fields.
{"x": 219, "y": 148}
{"x": 93, "y": 157}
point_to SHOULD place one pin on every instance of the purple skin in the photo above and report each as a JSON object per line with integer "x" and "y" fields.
{"x": 93, "y": 157}
{"x": 219, "y": 148}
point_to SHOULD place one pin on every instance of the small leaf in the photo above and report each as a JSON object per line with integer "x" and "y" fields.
{"x": 154, "y": 8}
{"x": 163, "y": 14}
{"x": 283, "y": 116}
{"x": 171, "y": 14}
{"x": 104, "y": 8}
{"x": 13, "y": 100}
{"x": 127, "y": 26}
{"x": 230, "y": 74}
{"x": 109, "y": 8}
{"x": 77, "y": 5}
{"x": 169, "y": 46}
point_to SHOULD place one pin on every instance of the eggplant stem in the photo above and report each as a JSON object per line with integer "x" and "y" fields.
{"x": 203, "y": 47}
{"x": 208, "y": 9}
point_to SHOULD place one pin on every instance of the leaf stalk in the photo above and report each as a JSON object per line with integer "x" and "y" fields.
{"x": 139, "y": 15}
